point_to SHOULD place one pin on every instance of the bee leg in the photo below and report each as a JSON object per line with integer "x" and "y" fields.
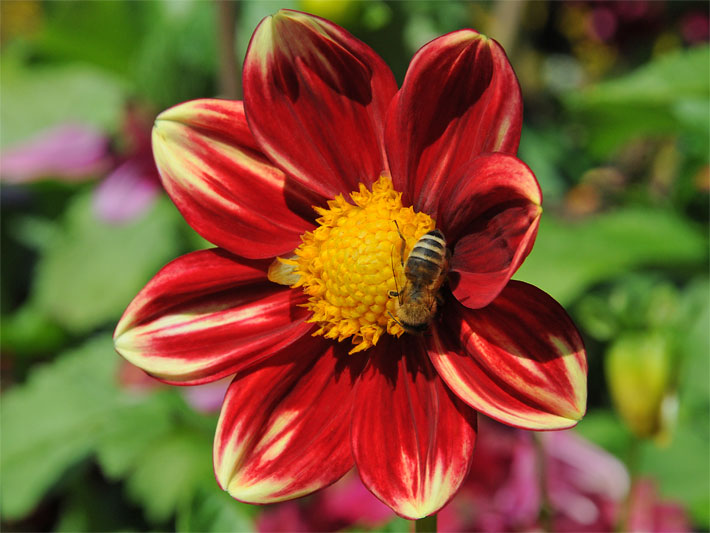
{"x": 395, "y": 319}
{"x": 392, "y": 294}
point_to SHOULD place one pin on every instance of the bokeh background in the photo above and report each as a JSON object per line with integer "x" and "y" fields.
{"x": 617, "y": 111}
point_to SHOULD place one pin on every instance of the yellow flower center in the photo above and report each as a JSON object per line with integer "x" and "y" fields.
{"x": 350, "y": 263}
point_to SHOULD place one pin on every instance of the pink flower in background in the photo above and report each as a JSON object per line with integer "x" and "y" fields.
{"x": 650, "y": 513}
{"x": 134, "y": 184}
{"x": 345, "y": 503}
{"x": 128, "y": 191}
{"x": 503, "y": 492}
{"x": 206, "y": 398}
{"x": 75, "y": 152}
{"x": 71, "y": 152}
{"x": 695, "y": 27}
{"x": 586, "y": 489}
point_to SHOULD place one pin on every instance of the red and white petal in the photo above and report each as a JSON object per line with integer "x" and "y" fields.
{"x": 491, "y": 213}
{"x": 226, "y": 189}
{"x": 473, "y": 106}
{"x": 206, "y": 315}
{"x": 520, "y": 360}
{"x": 412, "y": 438}
{"x": 316, "y": 99}
{"x": 284, "y": 427}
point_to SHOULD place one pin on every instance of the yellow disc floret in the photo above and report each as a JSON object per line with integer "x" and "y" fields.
{"x": 348, "y": 264}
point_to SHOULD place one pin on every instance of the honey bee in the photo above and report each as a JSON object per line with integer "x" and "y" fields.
{"x": 425, "y": 270}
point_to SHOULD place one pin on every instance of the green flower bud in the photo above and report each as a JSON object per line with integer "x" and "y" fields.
{"x": 338, "y": 11}
{"x": 641, "y": 375}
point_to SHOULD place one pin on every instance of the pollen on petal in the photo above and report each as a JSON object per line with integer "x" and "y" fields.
{"x": 351, "y": 263}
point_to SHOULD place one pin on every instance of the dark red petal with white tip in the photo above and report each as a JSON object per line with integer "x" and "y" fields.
{"x": 316, "y": 99}
{"x": 460, "y": 98}
{"x": 285, "y": 425}
{"x": 206, "y": 315}
{"x": 520, "y": 360}
{"x": 412, "y": 437}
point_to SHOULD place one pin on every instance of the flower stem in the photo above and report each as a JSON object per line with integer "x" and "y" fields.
{"x": 632, "y": 463}
{"x": 545, "y": 516}
{"x": 425, "y": 525}
{"x": 229, "y": 86}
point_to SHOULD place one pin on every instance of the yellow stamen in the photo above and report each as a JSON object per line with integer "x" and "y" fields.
{"x": 348, "y": 264}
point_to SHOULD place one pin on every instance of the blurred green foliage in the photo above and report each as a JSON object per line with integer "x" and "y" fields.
{"x": 667, "y": 95}
{"x": 54, "y": 420}
{"x": 79, "y": 93}
{"x": 621, "y": 154}
{"x": 609, "y": 245}
{"x": 77, "y": 282}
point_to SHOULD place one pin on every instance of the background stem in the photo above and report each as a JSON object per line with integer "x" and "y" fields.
{"x": 426, "y": 524}
{"x": 229, "y": 79}
{"x": 632, "y": 464}
{"x": 545, "y": 517}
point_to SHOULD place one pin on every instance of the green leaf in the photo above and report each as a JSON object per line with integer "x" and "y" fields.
{"x": 605, "y": 429}
{"x": 636, "y": 301}
{"x": 163, "y": 452}
{"x": 397, "y": 525}
{"x": 167, "y": 476}
{"x": 90, "y": 504}
{"x": 34, "y": 231}
{"x": 543, "y": 152}
{"x": 691, "y": 443}
{"x": 178, "y": 59}
{"x": 53, "y": 421}
{"x": 134, "y": 428}
{"x": 568, "y": 257}
{"x": 694, "y": 343}
{"x": 213, "y": 510}
{"x": 29, "y": 332}
{"x": 90, "y": 272}
{"x": 106, "y": 34}
{"x": 669, "y": 95}
{"x": 665, "y": 80}
{"x": 45, "y": 96}
{"x": 683, "y": 470}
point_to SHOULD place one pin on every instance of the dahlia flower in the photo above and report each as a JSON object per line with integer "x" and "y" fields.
{"x": 314, "y": 190}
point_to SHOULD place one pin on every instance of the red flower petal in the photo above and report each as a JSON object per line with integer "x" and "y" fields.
{"x": 283, "y": 430}
{"x": 412, "y": 438}
{"x": 316, "y": 99}
{"x": 495, "y": 205}
{"x": 460, "y": 98}
{"x": 523, "y": 361}
{"x": 224, "y": 187}
{"x": 206, "y": 315}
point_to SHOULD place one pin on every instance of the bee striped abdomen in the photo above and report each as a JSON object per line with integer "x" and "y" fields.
{"x": 425, "y": 269}
{"x": 427, "y": 258}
